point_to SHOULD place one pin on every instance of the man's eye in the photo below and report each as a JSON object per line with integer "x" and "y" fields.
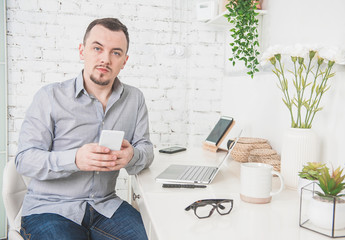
{"x": 96, "y": 48}
{"x": 116, "y": 53}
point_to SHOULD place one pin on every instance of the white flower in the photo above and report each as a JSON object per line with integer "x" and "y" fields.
{"x": 297, "y": 50}
{"x": 313, "y": 47}
{"x": 329, "y": 53}
{"x": 333, "y": 53}
{"x": 270, "y": 52}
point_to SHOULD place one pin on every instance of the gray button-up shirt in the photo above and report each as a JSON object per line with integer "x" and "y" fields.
{"x": 62, "y": 118}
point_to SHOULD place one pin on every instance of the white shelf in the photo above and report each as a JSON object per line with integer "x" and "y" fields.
{"x": 223, "y": 21}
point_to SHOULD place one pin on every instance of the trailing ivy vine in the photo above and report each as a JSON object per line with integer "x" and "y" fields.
{"x": 242, "y": 16}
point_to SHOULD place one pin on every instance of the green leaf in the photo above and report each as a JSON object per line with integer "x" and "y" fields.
{"x": 318, "y": 109}
{"x": 331, "y": 184}
{"x": 335, "y": 191}
{"x": 285, "y": 102}
{"x": 331, "y": 75}
{"x": 244, "y": 33}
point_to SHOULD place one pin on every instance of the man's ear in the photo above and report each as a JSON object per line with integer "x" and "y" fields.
{"x": 81, "y": 51}
{"x": 124, "y": 62}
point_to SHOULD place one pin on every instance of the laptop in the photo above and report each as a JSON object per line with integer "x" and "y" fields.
{"x": 193, "y": 174}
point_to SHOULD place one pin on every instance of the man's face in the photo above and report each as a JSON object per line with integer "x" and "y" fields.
{"x": 104, "y": 55}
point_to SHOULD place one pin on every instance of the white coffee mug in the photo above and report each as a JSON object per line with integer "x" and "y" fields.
{"x": 256, "y": 182}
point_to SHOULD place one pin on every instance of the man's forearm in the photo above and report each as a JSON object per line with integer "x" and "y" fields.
{"x": 44, "y": 165}
{"x": 143, "y": 157}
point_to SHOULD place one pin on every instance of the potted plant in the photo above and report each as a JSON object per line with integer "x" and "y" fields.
{"x": 303, "y": 73}
{"x": 327, "y": 207}
{"x": 309, "y": 173}
{"x": 244, "y": 31}
{"x": 304, "y": 84}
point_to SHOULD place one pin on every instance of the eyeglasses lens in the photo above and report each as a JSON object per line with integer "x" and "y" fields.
{"x": 204, "y": 210}
{"x": 224, "y": 208}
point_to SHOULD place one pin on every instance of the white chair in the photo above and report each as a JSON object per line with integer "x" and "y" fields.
{"x": 13, "y": 192}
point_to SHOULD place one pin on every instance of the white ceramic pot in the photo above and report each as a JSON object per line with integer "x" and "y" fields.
{"x": 307, "y": 188}
{"x": 299, "y": 147}
{"x": 302, "y": 182}
{"x": 321, "y": 214}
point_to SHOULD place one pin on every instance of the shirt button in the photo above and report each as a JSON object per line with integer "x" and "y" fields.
{"x": 92, "y": 195}
{"x": 97, "y": 172}
{"x": 103, "y": 122}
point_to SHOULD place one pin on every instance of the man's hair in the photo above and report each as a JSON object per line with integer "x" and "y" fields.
{"x": 112, "y": 24}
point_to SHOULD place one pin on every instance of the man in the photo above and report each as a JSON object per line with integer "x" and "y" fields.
{"x": 72, "y": 191}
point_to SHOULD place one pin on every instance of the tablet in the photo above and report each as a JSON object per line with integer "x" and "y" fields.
{"x": 111, "y": 139}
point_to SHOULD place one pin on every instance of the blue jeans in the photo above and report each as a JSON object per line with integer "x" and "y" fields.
{"x": 48, "y": 226}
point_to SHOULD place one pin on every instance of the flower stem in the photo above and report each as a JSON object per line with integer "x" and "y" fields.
{"x": 304, "y": 85}
{"x": 309, "y": 109}
{"x": 284, "y": 86}
{"x": 323, "y": 89}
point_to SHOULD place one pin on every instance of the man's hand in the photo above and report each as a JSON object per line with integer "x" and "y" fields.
{"x": 92, "y": 157}
{"x": 124, "y": 155}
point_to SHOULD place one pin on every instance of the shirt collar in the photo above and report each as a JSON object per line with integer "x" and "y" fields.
{"x": 79, "y": 84}
{"x": 117, "y": 87}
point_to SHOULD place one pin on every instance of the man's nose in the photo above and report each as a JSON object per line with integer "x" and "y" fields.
{"x": 105, "y": 58}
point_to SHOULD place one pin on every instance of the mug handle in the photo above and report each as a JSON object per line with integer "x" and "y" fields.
{"x": 281, "y": 183}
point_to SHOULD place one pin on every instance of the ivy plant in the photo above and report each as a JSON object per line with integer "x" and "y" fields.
{"x": 244, "y": 31}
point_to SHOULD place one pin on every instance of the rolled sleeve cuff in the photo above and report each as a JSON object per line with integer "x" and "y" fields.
{"x": 135, "y": 158}
{"x": 67, "y": 161}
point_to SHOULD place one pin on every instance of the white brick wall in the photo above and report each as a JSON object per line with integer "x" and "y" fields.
{"x": 181, "y": 91}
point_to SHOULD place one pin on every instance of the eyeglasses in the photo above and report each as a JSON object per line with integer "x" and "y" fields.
{"x": 205, "y": 208}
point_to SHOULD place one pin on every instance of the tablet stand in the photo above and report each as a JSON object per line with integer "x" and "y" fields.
{"x": 214, "y": 148}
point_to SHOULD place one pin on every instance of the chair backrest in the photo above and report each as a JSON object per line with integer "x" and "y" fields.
{"x": 13, "y": 192}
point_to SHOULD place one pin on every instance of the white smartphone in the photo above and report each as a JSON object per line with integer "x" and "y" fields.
{"x": 219, "y": 130}
{"x": 111, "y": 139}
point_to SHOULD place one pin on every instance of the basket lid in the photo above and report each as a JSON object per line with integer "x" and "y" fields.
{"x": 250, "y": 140}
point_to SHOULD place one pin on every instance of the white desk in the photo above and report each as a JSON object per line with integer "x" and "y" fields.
{"x": 164, "y": 216}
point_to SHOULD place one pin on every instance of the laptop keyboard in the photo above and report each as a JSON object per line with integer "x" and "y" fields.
{"x": 196, "y": 173}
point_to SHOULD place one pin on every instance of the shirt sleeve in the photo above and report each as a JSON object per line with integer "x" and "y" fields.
{"x": 143, "y": 148}
{"x": 35, "y": 158}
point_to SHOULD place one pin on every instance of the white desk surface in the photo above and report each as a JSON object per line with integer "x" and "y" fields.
{"x": 165, "y": 206}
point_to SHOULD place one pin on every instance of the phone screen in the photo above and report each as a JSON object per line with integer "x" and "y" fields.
{"x": 219, "y": 130}
{"x": 111, "y": 139}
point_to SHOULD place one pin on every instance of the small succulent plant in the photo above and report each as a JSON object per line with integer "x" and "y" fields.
{"x": 311, "y": 170}
{"x": 331, "y": 185}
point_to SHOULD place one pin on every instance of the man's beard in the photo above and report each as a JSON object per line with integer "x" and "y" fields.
{"x": 98, "y": 82}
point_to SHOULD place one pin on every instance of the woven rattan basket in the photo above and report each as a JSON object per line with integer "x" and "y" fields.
{"x": 241, "y": 151}
{"x": 268, "y": 156}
